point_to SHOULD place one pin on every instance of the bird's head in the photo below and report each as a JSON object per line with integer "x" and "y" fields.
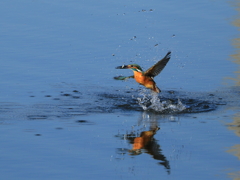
{"x": 134, "y": 67}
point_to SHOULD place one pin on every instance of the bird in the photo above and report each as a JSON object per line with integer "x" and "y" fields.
{"x": 146, "y": 78}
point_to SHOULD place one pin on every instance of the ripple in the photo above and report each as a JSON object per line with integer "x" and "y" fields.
{"x": 168, "y": 103}
{"x": 34, "y": 117}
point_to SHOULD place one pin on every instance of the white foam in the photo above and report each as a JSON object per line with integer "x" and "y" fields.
{"x": 151, "y": 101}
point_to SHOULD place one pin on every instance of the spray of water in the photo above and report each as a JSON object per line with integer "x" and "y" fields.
{"x": 151, "y": 101}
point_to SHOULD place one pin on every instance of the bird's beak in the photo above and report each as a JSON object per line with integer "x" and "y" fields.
{"x": 122, "y": 67}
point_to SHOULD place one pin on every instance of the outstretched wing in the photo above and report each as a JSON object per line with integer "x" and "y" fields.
{"x": 158, "y": 67}
{"x": 123, "y": 77}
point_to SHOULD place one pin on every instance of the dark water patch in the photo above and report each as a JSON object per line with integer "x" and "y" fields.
{"x": 165, "y": 103}
{"x": 65, "y": 105}
{"x": 121, "y": 102}
{"x": 76, "y": 95}
{"x": 197, "y": 105}
{"x": 57, "y": 99}
{"x": 76, "y": 114}
{"x": 5, "y": 106}
{"x": 35, "y": 117}
{"x": 84, "y": 122}
{"x": 77, "y": 92}
{"x": 65, "y": 94}
{"x": 81, "y": 121}
{"x": 10, "y": 111}
{"x": 168, "y": 102}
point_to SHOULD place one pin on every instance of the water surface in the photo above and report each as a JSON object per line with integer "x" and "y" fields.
{"x": 63, "y": 116}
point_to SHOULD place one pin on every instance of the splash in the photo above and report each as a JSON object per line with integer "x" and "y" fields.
{"x": 151, "y": 101}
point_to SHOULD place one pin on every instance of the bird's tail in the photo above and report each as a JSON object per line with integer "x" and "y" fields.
{"x": 156, "y": 89}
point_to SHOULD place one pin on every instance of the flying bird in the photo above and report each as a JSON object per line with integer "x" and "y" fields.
{"x": 146, "y": 78}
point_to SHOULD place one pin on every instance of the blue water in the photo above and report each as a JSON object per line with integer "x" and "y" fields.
{"x": 63, "y": 116}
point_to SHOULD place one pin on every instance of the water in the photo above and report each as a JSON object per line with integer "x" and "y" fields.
{"x": 63, "y": 116}
{"x": 153, "y": 102}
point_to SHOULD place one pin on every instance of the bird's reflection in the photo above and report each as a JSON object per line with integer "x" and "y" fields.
{"x": 144, "y": 142}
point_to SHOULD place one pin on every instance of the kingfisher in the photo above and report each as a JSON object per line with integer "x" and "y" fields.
{"x": 146, "y": 78}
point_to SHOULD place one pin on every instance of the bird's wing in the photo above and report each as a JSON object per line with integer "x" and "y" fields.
{"x": 123, "y": 77}
{"x": 158, "y": 67}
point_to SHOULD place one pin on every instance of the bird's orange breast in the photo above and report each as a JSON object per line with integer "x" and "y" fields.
{"x": 144, "y": 80}
{"x": 138, "y": 76}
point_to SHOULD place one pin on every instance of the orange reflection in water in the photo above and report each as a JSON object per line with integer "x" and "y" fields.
{"x": 144, "y": 139}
